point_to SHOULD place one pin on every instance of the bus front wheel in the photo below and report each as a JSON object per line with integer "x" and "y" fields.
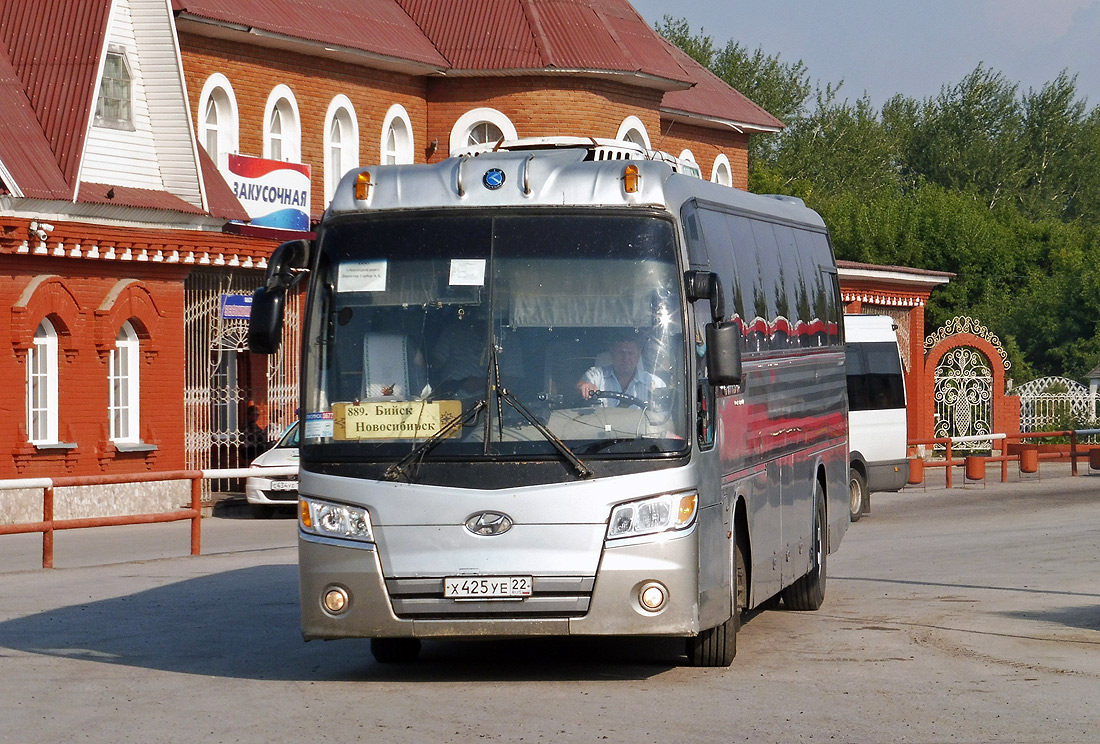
{"x": 716, "y": 647}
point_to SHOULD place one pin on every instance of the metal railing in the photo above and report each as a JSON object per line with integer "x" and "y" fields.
{"x": 1027, "y": 456}
{"x": 48, "y": 524}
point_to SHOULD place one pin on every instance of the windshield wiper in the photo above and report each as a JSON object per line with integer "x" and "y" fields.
{"x": 397, "y": 470}
{"x": 582, "y": 469}
{"x": 504, "y": 394}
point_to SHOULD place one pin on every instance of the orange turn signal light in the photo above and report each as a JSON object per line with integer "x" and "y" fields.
{"x": 362, "y": 186}
{"x": 631, "y": 179}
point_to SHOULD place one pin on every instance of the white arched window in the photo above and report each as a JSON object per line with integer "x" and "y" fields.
{"x": 689, "y": 165}
{"x": 42, "y": 386}
{"x": 633, "y": 130}
{"x": 480, "y": 128}
{"x": 722, "y": 172}
{"x": 282, "y": 128}
{"x": 123, "y": 389}
{"x": 397, "y": 140}
{"x": 341, "y": 143}
{"x": 218, "y": 122}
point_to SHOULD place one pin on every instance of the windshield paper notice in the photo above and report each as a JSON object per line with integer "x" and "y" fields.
{"x": 412, "y": 419}
{"x": 467, "y": 272}
{"x": 362, "y": 276}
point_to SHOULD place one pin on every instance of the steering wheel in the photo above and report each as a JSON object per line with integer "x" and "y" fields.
{"x": 622, "y": 397}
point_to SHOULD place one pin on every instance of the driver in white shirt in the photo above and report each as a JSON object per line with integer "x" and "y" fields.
{"x": 623, "y": 375}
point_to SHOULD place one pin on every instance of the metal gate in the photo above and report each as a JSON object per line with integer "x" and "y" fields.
{"x": 1054, "y": 403}
{"x": 227, "y": 390}
{"x": 963, "y": 395}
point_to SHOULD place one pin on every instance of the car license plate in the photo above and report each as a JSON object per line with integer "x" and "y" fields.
{"x": 486, "y": 587}
{"x": 284, "y": 485}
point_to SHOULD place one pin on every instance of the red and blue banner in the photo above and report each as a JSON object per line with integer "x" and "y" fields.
{"x": 275, "y": 194}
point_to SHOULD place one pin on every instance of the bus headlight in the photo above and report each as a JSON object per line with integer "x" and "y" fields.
{"x": 670, "y": 511}
{"x": 334, "y": 520}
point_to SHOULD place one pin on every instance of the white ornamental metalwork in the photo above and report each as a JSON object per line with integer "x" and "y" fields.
{"x": 963, "y": 395}
{"x": 1053, "y": 404}
{"x": 965, "y": 324}
{"x": 221, "y": 428}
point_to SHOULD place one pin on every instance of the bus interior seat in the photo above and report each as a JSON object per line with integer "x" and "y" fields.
{"x": 386, "y": 367}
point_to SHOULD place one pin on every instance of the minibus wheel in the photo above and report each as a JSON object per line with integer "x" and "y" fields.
{"x": 394, "y": 650}
{"x": 857, "y": 494}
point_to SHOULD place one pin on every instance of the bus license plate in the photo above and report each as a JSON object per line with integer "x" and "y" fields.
{"x": 486, "y": 587}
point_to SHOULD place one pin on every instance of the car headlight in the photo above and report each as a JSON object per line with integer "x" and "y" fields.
{"x": 334, "y": 520}
{"x": 670, "y": 511}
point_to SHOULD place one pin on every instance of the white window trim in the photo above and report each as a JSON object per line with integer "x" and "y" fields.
{"x": 127, "y": 341}
{"x": 43, "y": 347}
{"x": 404, "y": 151}
{"x": 634, "y": 124}
{"x": 228, "y": 118}
{"x": 721, "y": 162}
{"x": 341, "y": 104}
{"x": 128, "y": 122}
{"x": 466, "y": 123}
{"x": 282, "y": 96}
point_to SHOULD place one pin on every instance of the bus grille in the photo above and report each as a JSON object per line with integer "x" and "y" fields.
{"x": 551, "y": 596}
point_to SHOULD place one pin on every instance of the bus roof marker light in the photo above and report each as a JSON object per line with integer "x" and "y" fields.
{"x": 631, "y": 179}
{"x": 363, "y": 186}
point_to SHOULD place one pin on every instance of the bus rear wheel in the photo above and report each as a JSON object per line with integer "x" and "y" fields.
{"x": 394, "y": 650}
{"x": 809, "y": 591}
{"x": 857, "y": 494}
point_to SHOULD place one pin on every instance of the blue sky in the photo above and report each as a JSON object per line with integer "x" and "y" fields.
{"x": 883, "y": 47}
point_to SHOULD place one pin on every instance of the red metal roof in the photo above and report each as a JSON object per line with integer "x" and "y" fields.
{"x": 24, "y": 149}
{"x": 590, "y": 35}
{"x": 376, "y": 26}
{"x": 54, "y": 49}
{"x": 128, "y": 196}
{"x": 711, "y": 97}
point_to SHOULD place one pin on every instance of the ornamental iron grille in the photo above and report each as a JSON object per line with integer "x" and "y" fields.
{"x": 963, "y": 383}
{"x": 963, "y": 397}
{"x": 1054, "y": 404}
{"x": 223, "y": 385}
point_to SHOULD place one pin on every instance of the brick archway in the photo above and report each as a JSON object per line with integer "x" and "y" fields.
{"x": 969, "y": 349}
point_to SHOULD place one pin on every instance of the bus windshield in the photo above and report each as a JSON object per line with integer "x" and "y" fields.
{"x": 496, "y": 336}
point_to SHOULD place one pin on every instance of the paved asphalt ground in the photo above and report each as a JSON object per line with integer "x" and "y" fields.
{"x": 963, "y": 615}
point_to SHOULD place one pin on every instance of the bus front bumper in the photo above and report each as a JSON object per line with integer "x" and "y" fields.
{"x": 614, "y": 607}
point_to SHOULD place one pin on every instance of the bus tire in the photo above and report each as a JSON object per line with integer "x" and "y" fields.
{"x": 808, "y": 592}
{"x": 717, "y": 647}
{"x": 857, "y": 494}
{"x": 394, "y": 650}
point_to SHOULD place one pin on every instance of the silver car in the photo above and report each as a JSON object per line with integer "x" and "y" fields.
{"x": 265, "y": 494}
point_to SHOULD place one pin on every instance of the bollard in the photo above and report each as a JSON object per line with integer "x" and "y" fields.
{"x": 916, "y": 471}
{"x": 975, "y": 467}
{"x": 1094, "y": 458}
{"x": 1029, "y": 459}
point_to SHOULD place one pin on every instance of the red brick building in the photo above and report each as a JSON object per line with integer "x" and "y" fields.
{"x": 124, "y": 251}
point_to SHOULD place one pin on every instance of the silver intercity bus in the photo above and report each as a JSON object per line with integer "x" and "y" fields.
{"x": 560, "y": 388}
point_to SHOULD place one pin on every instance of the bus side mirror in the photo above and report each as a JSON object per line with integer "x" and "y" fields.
{"x": 724, "y": 354}
{"x": 265, "y": 320}
{"x": 704, "y": 285}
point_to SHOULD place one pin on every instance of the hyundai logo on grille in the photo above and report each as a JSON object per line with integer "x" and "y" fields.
{"x": 489, "y": 523}
{"x": 493, "y": 179}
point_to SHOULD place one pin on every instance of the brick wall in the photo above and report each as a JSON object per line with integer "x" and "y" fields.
{"x": 87, "y": 303}
{"x": 538, "y": 106}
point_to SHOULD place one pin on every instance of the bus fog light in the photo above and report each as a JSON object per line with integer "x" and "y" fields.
{"x": 653, "y": 596}
{"x": 336, "y": 600}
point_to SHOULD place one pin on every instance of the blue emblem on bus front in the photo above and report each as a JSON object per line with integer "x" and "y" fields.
{"x": 493, "y": 179}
